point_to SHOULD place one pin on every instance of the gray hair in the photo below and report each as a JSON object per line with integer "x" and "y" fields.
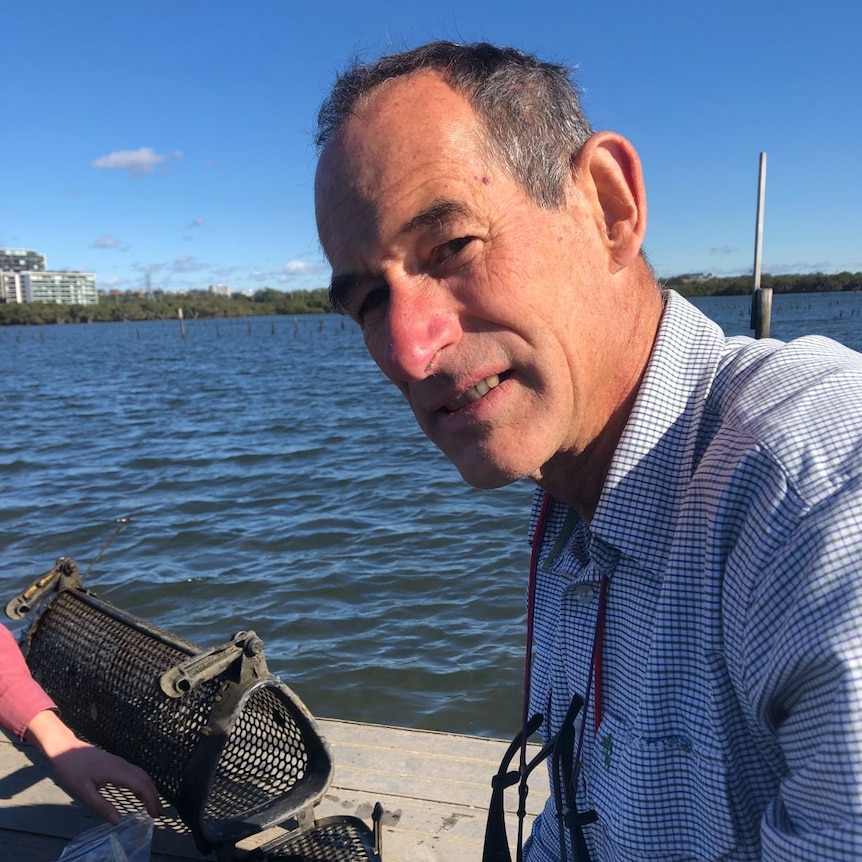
{"x": 530, "y": 109}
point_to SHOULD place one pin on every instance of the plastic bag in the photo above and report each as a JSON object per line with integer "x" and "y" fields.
{"x": 128, "y": 841}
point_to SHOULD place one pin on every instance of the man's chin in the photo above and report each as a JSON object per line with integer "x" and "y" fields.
{"x": 486, "y": 475}
{"x": 492, "y": 461}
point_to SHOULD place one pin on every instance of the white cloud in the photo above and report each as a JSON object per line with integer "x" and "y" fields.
{"x": 801, "y": 267}
{"x": 187, "y": 264}
{"x": 197, "y": 222}
{"x": 115, "y": 283}
{"x": 106, "y": 241}
{"x": 292, "y": 270}
{"x": 722, "y": 249}
{"x": 137, "y": 163}
{"x": 302, "y": 267}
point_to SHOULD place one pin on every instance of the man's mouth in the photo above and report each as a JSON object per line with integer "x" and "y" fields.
{"x": 474, "y": 393}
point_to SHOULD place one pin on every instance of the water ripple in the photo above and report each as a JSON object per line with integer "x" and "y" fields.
{"x": 277, "y": 482}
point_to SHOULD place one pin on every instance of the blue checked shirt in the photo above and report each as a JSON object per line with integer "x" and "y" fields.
{"x": 730, "y": 528}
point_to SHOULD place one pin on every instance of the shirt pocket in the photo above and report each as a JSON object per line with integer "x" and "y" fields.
{"x": 660, "y": 797}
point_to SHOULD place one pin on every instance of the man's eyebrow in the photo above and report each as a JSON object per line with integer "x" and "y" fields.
{"x": 436, "y": 214}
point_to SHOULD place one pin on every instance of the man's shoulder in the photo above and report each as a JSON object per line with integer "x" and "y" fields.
{"x": 798, "y": 405}
{"x": 768, "y": 381}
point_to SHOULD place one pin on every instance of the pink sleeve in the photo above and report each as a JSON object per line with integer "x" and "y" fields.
{"x": 21, "y": 697}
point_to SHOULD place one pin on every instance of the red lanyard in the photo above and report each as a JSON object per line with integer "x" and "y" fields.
{"x": 594, "y": 679}
{"x": 531, "y": 607}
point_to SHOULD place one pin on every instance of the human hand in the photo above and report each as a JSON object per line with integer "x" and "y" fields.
{"x": 82, "y": 769}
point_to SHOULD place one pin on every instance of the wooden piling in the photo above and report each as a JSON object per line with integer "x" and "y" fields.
{"x": 761, "y": 297}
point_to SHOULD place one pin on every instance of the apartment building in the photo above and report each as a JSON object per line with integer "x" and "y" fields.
{"x": 65, "y": 288}
{"x": 23, "y": 278}
{"x": 10, "y": 287}
{"x": 21, "y": 260}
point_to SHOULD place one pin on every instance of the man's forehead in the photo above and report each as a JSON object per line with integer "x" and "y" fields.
{"x": 408, "y": 111}
{"x": 416, "y": 89}
{"x": 416, "y": 129}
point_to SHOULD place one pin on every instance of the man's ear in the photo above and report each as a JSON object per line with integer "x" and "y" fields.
{"x": 607, "y": 171}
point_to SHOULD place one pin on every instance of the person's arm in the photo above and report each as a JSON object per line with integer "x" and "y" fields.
{"x": 82, "y": 769}
{"x": 21, "y": 697}
{"x": 28, "y": 713}
{"x": 803, "y": 650}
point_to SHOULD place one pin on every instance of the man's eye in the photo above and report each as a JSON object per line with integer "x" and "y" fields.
{"x": 453, "y": 247}
{"x": 374, "y": 301}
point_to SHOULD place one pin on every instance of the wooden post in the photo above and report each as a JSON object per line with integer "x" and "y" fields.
{"x": 182, "y": 323}
{"x": 761, "y": 297}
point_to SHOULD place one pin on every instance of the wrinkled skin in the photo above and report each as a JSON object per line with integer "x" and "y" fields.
{"x": 457, "y": 277}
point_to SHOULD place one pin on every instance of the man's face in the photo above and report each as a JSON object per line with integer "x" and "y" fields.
{"x": 485, "y": 310}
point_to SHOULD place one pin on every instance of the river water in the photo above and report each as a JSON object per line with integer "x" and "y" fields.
{"x": 276, "y": 481}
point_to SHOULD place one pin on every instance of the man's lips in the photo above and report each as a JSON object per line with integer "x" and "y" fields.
{"x": 474, "y": 393}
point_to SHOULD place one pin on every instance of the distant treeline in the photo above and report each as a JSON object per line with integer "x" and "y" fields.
{"x": 162, "y": 305}
{"x": 817, "y": 282}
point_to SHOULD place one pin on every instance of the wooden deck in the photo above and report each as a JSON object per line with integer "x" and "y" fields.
{"x": 434, "y": 788}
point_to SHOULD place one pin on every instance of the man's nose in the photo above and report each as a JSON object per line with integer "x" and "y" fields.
{"x": 421, "y": 321}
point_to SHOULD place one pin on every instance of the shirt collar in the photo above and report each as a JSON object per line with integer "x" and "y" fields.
{"x": 657, "y": 452}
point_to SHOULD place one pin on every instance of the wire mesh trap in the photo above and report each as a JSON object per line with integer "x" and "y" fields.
{"x": 225, "y": 741}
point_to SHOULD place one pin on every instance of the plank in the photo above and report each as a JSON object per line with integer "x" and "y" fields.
{"x": 434, "y": 788}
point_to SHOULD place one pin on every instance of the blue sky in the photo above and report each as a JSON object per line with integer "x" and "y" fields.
{"x": 172, "y": 139}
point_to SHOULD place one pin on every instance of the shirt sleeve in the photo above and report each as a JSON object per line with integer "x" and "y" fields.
{"x": 803, "y": 660}
{"x": 21, "y": 697}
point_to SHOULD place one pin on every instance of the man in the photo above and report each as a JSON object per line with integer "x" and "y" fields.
{"x": 697, "y": 578}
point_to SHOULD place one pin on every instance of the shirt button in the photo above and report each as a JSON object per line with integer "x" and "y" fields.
{"x": 584, "y": 593}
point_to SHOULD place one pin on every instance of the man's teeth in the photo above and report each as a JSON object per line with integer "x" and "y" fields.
{"x": 474, "y": 393}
